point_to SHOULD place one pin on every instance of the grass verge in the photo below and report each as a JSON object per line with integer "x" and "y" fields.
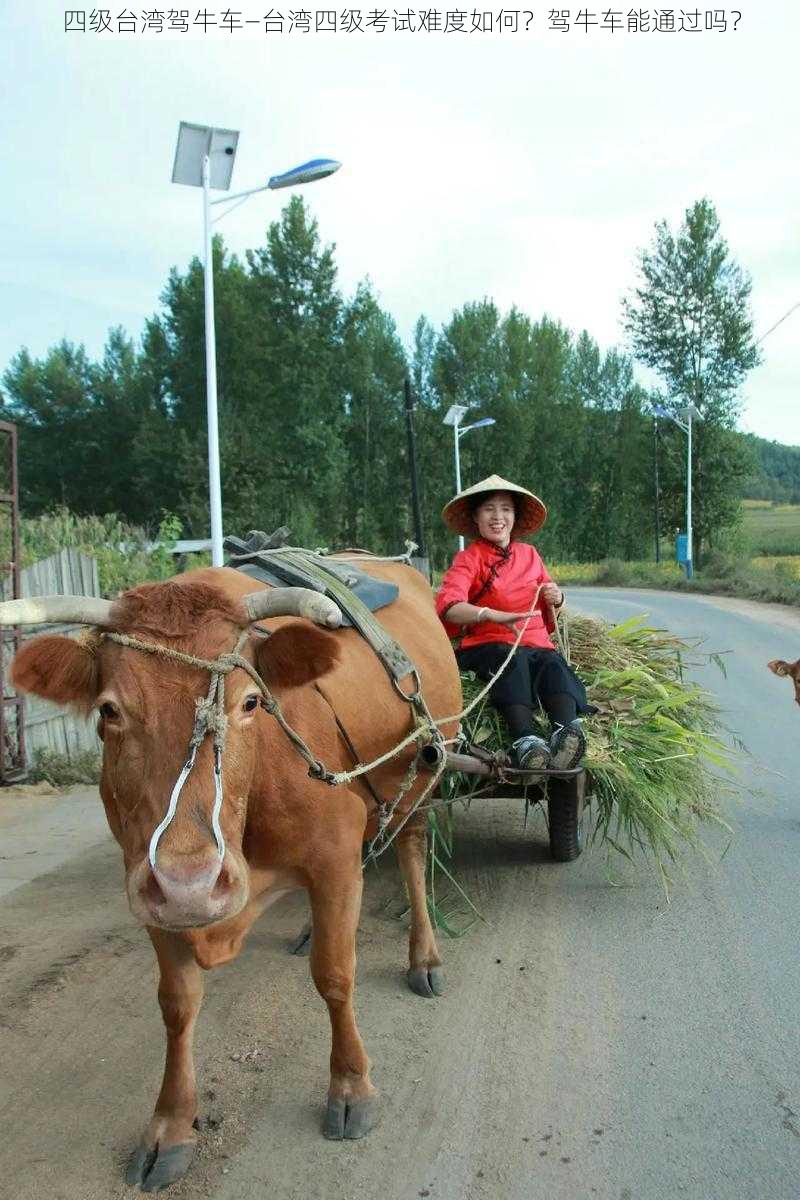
{"x": 775, "y": 580}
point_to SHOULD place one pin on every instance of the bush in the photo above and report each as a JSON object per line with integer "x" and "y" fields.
{"x": 62, "y": 771}
{"x": 613, "y": 573}
{"x": 719, "y": 565}
{"x": 126, "y": 554}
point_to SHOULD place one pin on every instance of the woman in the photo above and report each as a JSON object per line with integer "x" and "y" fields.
{"x": 490, "y": 588}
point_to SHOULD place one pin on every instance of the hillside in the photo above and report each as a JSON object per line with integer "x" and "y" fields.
{"x": 777, "y": 475}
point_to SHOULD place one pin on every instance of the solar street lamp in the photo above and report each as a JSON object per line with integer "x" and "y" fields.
{"x": 454, "y": 416}
{"x": 689, "y": 412}
{"x": 204, "y": 157}
{"x": 484, "y": 421}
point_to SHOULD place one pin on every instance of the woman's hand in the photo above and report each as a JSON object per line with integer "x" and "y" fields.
{"x": 509, "y": 618}
{"x": 553, "y": 594}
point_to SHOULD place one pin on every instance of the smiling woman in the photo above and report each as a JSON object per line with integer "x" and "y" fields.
{"x": 494, "y": 585}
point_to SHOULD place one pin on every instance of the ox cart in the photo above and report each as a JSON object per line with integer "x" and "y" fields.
{"x": 465, "y": 768}
{"x": 472, "y": 772}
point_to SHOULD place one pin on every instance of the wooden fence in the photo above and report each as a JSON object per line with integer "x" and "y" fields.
{"x": 47, "y": 726}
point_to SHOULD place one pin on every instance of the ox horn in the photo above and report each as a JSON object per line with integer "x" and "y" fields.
{"x": 56, "y": 610}
{"x": 295, "y": 602}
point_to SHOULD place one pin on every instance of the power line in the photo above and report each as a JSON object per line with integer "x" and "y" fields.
{"x": 777, "y": 323}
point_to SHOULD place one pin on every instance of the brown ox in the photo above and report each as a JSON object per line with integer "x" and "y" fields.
{"x": 792, "y": 669}
{"x": 282, "y": 829}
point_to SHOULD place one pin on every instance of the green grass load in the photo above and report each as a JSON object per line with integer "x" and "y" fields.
{"x": 659, "y": 770}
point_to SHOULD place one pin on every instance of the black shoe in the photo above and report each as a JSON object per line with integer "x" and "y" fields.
{"x": 530, "y": 753}
{"x": 567, "y": 746}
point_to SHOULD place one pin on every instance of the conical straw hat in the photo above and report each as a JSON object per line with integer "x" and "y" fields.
{"x": 457, "y": 515}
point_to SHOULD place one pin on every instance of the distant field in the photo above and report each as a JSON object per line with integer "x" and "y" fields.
{"x": 772, "y": 530}
{"x": 787, "y": 565}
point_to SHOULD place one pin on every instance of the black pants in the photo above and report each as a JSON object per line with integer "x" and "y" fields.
{"x": 532, "y": 677}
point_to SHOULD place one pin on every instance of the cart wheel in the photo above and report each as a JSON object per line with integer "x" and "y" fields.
{"x": 565, "y": 803}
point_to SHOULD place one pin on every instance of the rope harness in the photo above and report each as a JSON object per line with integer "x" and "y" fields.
{"x": 210, "y": 719}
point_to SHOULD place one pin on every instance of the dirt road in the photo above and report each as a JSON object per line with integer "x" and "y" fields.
{"x": 594, "y": 1041}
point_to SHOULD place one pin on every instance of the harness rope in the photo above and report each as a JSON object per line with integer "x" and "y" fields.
{"x": 210, "y": 718}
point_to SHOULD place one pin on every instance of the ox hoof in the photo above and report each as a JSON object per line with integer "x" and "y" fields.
{"x": 154, "y": 1169}
{"x": 426, "y": 981}
{"x": 350, "y": 1118}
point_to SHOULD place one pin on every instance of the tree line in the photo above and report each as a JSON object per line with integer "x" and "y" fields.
{"x": 776, "y": 474}
{"x": 311, "y": 403}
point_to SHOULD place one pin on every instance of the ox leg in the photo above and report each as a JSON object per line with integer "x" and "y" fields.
{"x": 335, "y": 906}
{"x": 425, "y": 975}
{"x": 168, "y": 1144}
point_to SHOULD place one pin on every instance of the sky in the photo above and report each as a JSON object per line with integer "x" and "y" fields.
{"x": 527, "y": 167}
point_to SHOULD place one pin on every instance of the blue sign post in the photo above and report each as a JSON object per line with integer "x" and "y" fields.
{"x": 682, "y": 551}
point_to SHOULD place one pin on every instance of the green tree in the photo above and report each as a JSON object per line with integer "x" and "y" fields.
{"x": 51, "y": 400}
{"x": 689, "y": 319}
{"x": 374, "y": 368}
{"x": 172, "y": 448}
{"x": 295, "y": 345}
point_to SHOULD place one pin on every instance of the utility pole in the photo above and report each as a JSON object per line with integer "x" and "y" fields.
{"x": 657, "y": 498}
{"x": 420, "y": 559}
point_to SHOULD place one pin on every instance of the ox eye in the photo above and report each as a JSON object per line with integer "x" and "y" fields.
{"x": 109, "y": 711}
{"x": 250, "y": 704}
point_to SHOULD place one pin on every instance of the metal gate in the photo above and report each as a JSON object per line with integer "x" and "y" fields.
{"x": 12, "y": 733}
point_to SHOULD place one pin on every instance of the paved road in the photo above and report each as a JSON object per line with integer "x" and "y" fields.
{"x": 595, "y": 1042}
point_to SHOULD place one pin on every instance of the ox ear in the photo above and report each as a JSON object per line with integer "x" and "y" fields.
{"x": 297, "y": 654}
{"x": 58, "y": 668}
{"x": 779, "y": 667}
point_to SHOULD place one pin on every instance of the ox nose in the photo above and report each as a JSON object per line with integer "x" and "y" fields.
{"x": 182, "y": 891}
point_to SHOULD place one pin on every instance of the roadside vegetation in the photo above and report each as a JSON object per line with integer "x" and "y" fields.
{"x": 63, "y": 770}
{"x": 771, "y": 528}
{"x": 126, "y": 554}
{"x": 758, "y": 560}
{"x": 769, "y": 580}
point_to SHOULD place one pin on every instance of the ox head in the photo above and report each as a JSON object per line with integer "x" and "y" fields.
{"x": 791, "y": 669}
{"x": 146, "y": 707}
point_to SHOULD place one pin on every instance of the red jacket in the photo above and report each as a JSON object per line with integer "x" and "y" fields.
{"x": 512, "y": 590}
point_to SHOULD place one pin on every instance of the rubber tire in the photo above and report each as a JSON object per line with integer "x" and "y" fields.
{"x": 565, "y": 804}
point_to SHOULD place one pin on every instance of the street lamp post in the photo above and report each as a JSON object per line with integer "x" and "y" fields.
{"x": 212, "y": 420}
{"x": 454, "y": 416}
{"x": 657, "y": 512}
{"x": 204, "y": 157}
{"x": 689, "y": 412}
{"x": 412, "y": 465}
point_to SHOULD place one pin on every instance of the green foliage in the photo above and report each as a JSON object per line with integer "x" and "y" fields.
{"x": 568, "y": 421}
{"x": 125, "y": 553}
{"x": 774, "y": 529}
{"x": 312, "y": 430}
{"x": 776, "y": 474}
{"x": 612, "y": 572}
{"x": 63, "y": 770}
{"x": 690, "y": 321}
{"x": 722, "y": 574}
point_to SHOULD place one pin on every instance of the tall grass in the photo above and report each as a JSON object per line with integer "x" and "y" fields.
{"x": 774, "y": 529}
